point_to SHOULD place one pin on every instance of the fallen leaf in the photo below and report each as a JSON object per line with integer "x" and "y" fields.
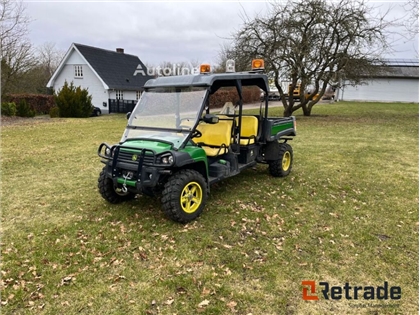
{"x": 169, "y": 301}
{"x": 181, "y": 290}
{"x": 66, "y": 280}
{"x": 205, "y": 291}
{"x": 203, "y": 303}
{"x": 231, "y": 304}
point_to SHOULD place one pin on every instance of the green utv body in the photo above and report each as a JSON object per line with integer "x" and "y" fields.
{"x": 175, "y": 147}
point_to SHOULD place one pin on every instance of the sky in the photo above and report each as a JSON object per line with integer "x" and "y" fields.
{"x": 184, "y": 31}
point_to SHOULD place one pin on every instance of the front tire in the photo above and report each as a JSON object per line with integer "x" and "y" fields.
{"x": 111, "y": 193}
{"x": 283, "y": 165}
{"x": 184, "y": 196}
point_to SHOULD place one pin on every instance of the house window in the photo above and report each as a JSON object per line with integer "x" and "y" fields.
{"x": 138, "y": 94}
{"x": 78, "y": 71}
{"x": 119, "y": 95}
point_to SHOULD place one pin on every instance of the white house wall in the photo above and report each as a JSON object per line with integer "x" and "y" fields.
{"x": 75, "y": 59}
{"x": 89, "y": 81}
{"x": 383, "y": 90}
{"x": 127, "y": 95}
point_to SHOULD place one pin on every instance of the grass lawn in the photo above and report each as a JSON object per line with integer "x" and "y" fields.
{"x": 348, "y": 212}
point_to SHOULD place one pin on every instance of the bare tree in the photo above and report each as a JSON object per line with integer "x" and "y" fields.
{"x": 312, "y": 43}
{"x": 24, "y": 69}
{"x": 49, "y": 57}
{"x": 412, "y": 22}
{"x": 16, "y": 53}
{"x": 35, "y": 79}
{"x": 14, "y": 23}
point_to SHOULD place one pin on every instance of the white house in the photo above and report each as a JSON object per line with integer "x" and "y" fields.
{"x": 398, "y": 82}
{"x": 114, "y": 79}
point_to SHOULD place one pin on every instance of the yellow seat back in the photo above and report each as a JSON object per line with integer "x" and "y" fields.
{"x": 249, "y": 129}
{"x": 216, "y": 136}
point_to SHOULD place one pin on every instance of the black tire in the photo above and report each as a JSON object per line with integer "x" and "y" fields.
{"x": 111, "y": 193}
{"x": 184, "y": 196}
{"x": 283, "y": 165}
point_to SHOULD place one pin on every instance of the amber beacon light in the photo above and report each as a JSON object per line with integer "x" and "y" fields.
{"x": 257, "y": 64}
{"x": 205, "y": 68}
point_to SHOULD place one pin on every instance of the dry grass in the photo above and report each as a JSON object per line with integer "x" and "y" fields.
{"x": 348, "y": 212}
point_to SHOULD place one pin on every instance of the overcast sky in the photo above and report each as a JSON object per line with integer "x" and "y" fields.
{"x": 157, "y": 31}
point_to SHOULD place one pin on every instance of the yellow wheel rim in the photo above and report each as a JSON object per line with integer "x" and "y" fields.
{"x": 285, "y": 163}
{"x": 191, "y": 197}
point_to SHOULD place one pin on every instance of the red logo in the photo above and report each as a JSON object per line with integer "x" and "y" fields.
{"x": 305, "y": 295}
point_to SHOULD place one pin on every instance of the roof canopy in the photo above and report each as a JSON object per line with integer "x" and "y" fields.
{"x": 216, "y": 80}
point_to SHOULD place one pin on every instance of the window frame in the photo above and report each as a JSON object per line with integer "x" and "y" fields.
{"x": 119, "y": 94}
{"x": 78, "y": 71}
{"x": 138, "y": 95}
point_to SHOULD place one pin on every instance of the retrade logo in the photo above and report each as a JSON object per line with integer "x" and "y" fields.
{"x": 348, "y": 292}
{"x": 305, "y": 294}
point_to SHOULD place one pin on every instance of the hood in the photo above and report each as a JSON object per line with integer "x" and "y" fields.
{"x": 155, "y": 145}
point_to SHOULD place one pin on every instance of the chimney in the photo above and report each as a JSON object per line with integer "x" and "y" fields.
{"x": 120, "y": 50}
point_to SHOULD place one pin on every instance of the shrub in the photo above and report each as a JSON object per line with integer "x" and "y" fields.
{"x": 24, "y": 110}
{"x": 8, "y": 109}
{"x": 40, "y": 103}
{"x": 73, "y": 101}
{"x": 54, "y": 112}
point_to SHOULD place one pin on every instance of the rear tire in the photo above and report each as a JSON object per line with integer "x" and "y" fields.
{"x": 111, "y": 193}
{"x": 184, "y": 196}
{"x": 283, "y": 165}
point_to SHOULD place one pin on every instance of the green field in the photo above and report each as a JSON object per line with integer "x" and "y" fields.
{"x": 348, "y": 212}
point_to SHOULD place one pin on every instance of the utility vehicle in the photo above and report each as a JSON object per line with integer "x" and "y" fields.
{"x": 176, "y": 147}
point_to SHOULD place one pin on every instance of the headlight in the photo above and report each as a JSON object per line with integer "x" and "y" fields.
{"x": 167, "y": 159}
{"x": 109, "y": 152}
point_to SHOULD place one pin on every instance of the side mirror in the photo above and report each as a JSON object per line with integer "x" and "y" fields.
{"x": 128, "y": 115}
{"x": 211, "y": 119}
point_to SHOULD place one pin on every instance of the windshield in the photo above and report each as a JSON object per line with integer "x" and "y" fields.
{"x": 167, "y": 114}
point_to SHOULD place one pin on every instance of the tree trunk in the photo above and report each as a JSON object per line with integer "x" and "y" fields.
{"x": 288, "y": 111}
{"x": 306, "y": 110}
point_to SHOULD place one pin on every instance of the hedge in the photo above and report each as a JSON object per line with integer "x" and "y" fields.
{"x": 40, "y": 103}
{"x": 223, "y": 95}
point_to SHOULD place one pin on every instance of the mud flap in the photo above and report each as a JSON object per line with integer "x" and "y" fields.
{"x": 271, "y": 151}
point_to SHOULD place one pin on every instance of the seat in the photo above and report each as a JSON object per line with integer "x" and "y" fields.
{"x": 249, "y": 130}
{"x": 215, "y": 138}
